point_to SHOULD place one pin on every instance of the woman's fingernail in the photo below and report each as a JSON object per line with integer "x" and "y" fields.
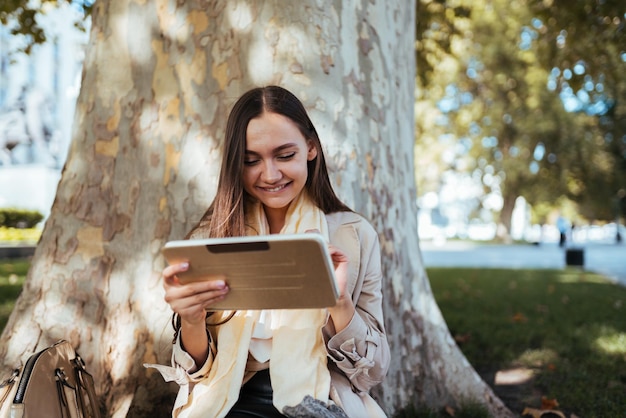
{"x": 184, "y": 266}
{"x": 220, "y": 284}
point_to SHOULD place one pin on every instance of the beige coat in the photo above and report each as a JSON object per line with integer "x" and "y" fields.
{"x": 358, "y": 355}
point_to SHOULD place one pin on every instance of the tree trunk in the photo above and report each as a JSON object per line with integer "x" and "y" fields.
{"x": 506, "y": 216}
{"x": 158, "y": 82}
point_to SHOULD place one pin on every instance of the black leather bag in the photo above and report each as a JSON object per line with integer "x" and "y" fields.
{"x": 53, "y": 384}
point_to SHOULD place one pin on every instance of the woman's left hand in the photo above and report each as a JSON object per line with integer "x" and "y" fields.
{"x": 340, "y": 263}
{"x": 343, "y": 311}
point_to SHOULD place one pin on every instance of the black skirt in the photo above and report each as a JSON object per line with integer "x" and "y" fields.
{"x": 255, "y": 399}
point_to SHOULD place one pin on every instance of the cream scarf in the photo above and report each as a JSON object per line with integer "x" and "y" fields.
{"x": 298, "y": 357}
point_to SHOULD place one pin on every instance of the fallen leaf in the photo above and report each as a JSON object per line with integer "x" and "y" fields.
{"x": 547, "y": 404}
{"x": 551, "y": 367}
{"x": 519, "y": 317}
{"x": 450, "y": 411}
{"x": 460, "y": 339}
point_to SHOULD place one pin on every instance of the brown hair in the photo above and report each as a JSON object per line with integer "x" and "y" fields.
{"x": 225, "y": 217}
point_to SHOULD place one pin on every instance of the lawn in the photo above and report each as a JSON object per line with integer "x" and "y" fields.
{"x": 12, "y": 275}
{"x": 564, "y": 331}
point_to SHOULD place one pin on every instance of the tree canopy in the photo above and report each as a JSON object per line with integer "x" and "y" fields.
{"x": 525, "y": 95}
{"x": 21, "y": 16}
{"x": 527, "y": 98}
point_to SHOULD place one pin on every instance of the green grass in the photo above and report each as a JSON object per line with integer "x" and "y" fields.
{"x": 469, "y": 409}
{"x": 567, "y": 327}
{"x": 12, "y": 275}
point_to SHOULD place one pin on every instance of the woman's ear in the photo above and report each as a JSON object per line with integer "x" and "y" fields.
{"x": 312, "y": 151}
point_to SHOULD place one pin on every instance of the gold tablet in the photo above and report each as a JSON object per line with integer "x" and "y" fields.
{"x": 283, "y": 271}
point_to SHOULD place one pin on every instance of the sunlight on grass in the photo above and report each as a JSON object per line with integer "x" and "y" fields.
{"x": 517, "y": 376}
{"x": 12, "y": 279}
{"x": 538, "y": 357}
{"x": 574, "y": 275}
{"x": 13, "y": 271}
{"x": 612, "y": 344}
{"x": 554, "y": 333}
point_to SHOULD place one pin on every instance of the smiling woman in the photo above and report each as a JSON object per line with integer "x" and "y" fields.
{"x": 275, "y": 363}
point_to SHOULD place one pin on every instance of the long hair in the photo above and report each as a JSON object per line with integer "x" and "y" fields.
{"x": 226, "y": 217}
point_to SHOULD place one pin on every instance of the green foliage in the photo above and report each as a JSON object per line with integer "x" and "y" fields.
{"x": 591, "y": 37}
{"x": 19, "y": 235}
{"x": 566, "y": 327}
{"x": 490, "y": 63}
{"x": 19, "y": 218}
{"x": 21, "y": 17}
{"x": 436, "y": 28}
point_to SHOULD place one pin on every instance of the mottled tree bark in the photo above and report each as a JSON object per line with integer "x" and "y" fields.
{"x": 158, "y": 81}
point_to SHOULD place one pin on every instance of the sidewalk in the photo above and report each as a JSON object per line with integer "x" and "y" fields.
{"x": 606, "y": 259}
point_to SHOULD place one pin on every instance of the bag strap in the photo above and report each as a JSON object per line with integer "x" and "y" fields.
{"x": 86, "y": 392}
{"x": 63, "y": 387}
{"x": 7, "y": 385}
{"x": 7, "y": 392}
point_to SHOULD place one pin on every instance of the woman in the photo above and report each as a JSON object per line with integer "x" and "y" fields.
{"x": 277, "y": 363}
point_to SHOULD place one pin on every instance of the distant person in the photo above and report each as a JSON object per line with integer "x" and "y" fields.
{"x": 562, "y": 226}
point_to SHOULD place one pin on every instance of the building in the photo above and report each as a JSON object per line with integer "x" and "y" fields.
{"x": 38, "y": 95}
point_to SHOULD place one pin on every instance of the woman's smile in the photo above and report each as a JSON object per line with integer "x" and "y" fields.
{"x": 273, "y": 189}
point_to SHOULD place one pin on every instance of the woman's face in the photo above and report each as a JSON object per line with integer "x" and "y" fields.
{"x": 275, "y": 165}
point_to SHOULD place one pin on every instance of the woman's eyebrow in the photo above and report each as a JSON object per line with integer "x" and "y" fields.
{"x": 275, "y": 150}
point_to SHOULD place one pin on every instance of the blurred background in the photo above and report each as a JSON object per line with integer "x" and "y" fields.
{"x": 521, "y": 120}
{"x": 519, "y": 113}
{"x": 41, "y": 57}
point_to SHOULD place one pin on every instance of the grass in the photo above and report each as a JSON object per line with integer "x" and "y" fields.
{"x": 565, "y": 328}
{"x": 12, "y": 275}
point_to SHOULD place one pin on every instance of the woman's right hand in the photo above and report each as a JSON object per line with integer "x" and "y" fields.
{"x": 191, "y": 300}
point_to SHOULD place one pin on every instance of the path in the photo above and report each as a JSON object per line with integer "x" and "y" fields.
{"x": 606, "y": 259}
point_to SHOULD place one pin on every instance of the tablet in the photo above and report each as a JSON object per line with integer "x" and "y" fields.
{"x": 283, "y": 271}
